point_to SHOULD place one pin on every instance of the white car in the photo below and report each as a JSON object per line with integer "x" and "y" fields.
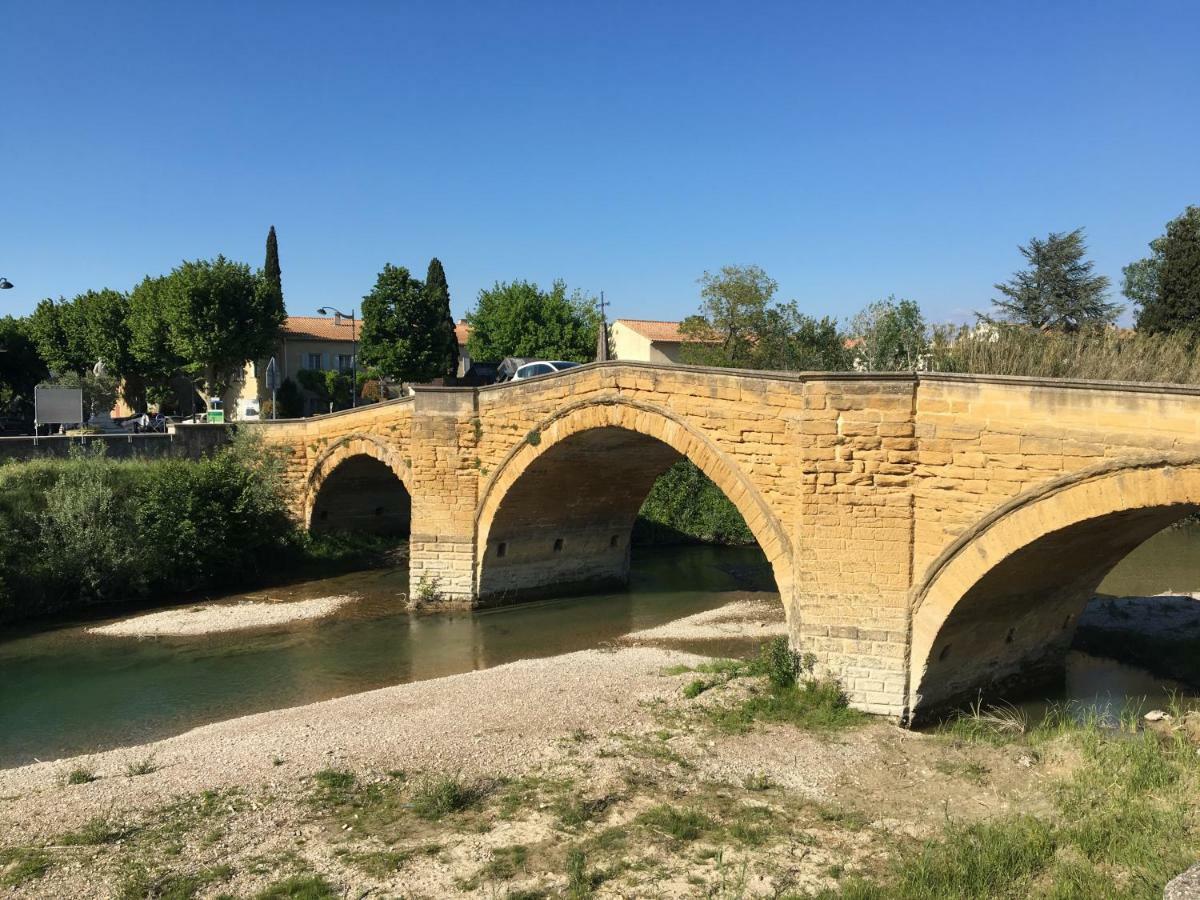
{"x": 534, "y": 369}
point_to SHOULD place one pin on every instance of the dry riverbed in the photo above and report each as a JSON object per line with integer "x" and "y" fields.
{"x": 636, "y": 772}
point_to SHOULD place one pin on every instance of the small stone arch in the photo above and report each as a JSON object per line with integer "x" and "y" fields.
{"x": 1037, "y": 560}
{"x": 651, "y": 422}
{"x": 346, "y": 448}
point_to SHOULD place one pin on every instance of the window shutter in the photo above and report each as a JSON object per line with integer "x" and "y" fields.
{"x": 325, "y": 362}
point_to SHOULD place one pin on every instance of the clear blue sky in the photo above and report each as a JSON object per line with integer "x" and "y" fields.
{"x": 854, "y": 150}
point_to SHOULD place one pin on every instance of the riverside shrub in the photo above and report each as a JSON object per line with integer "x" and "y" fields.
{"x": 89, "y": 529}
{"x": 684, "y": 506}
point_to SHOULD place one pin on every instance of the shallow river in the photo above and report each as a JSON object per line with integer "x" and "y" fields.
{"x": 64, "y": 691}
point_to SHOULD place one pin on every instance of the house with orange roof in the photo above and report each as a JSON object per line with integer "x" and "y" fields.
{"x": 646, "y": 340}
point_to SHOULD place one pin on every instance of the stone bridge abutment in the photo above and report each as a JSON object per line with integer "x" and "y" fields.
{"x": 930, "y": 535}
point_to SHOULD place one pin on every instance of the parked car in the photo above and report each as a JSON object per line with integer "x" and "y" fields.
{"x": 542, "y": 367}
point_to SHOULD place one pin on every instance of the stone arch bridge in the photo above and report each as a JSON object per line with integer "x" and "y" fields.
{"x": 930, "y": 535}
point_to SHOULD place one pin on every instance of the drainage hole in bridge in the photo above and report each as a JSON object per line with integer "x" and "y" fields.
{"x": 614, "y": 541}
{"x": 501, "y": 549}
{"x": 558, "y": 544}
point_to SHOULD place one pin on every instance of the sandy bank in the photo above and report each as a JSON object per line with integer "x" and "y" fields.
{"x": 214, "y": 618}
{"x": 743, "y": 619}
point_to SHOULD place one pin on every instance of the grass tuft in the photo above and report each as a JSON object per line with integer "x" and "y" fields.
{"x": 440, "y": 796}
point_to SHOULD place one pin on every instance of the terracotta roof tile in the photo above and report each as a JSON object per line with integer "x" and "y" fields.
{"x": 320, "y": 328}
{"x": 667, "y": 332}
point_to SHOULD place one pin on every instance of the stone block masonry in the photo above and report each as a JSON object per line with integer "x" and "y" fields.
{"x": 929, "y": 534}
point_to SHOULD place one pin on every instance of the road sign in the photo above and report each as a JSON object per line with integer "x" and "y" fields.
{"x": 272, "y": 378}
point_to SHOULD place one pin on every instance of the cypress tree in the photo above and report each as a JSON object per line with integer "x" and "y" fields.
{"x": 271, "y": 267}
{"x": 437, "y": 293}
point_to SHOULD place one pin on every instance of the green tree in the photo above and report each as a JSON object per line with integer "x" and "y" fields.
{"x": 211, "y": 316}
{"x": 889, "y": 336}
{"x": 517, "y": 318}
{"x": 21, "y": 367}
{"x": 403, "y": 332}
{"x": 740, "y": 325}
{"x": 438, "y": 294}
{"x": 270, "y": 285}
{"x": 1058, "y": 291}
{"x": 71, "y": 335}
{"x": 1166, "y": 285}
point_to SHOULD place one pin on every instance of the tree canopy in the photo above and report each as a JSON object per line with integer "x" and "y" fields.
{"x": 21, "y": 367}
{"x": 740, "y": 325}
{"x": 1059, "y": 289}
{"x": 208, "y": 317}
{"x": 889, "y": 336}
{"x": 72, "y": 335}
{"x": 518, "y": 318}
{"x": 403, "y": 331}
{"x": 1166, "y": 285}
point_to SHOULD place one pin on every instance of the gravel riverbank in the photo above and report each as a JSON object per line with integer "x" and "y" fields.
{"x": 215, "y": 618}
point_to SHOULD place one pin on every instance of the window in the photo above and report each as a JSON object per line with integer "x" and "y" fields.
{"x": 312, "y": 361}
{"x": 345, "y": 362}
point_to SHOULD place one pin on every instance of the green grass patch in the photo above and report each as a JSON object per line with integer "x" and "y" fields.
{"x": 140, "y": 884}
{"x": 442, "y": 795}
{"x": 1124, "y": 825}
{"x": 676, "y": 824}
{"x": 811, "y": 705}
{"x": 81, "y": 775}
{"x": 94, "y": 833}
{"x": 300, "y": 887}
{"x": 19, "y": 865}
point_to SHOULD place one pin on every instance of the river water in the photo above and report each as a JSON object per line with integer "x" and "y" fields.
{"x": 63, "y": 691}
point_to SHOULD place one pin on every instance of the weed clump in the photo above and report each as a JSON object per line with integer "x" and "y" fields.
{"x": 437, "y": 797}
{"x": 676, "y": 824}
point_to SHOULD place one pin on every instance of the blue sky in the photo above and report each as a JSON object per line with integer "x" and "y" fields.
{"x": 854, "y": 150}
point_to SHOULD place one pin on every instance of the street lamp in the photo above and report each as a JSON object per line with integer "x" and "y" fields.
{"x": 329, "y": 310}
{"x": 5, "y": 284}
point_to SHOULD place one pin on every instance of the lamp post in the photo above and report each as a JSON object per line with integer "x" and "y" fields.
{"x": 5, "y": 284}
{"x": 329, "y": 310}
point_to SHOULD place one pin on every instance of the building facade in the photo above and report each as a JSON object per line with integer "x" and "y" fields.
{"x": 646, "y": 340}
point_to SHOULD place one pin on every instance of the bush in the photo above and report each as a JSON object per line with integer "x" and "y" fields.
{"x": 88, "y": 529}
{"x": 684, "y": 506}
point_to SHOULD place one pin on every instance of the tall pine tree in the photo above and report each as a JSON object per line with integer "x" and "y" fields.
{"x": 437, "y": 292}
{"x": 1166, "y": 285}
{"x": 1059, "y": 291}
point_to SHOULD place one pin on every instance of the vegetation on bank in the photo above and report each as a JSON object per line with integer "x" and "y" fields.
{"x": 684, "y": 506}
{"x": 92, "y": 530}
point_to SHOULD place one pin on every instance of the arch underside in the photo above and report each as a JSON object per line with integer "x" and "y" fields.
{"x": 565, "y": 524}
{"x": 361, "y": 494}
{"x": 1001, "y": 613}
{"x": 561, "y": 517}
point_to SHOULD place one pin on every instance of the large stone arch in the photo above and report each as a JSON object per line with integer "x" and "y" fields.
{"x": 999, "y": 604}
{"x": 651, "y": 434}
{"x": 349, "y": 450}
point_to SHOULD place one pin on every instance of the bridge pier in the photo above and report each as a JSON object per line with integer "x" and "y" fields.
{"x": 444, "y": 484}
